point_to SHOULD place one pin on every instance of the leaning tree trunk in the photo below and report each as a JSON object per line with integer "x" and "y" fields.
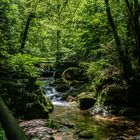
{"x": 135, "y": 26}
{"x": 9, "y": 124}
{"x": 124, "y": 63}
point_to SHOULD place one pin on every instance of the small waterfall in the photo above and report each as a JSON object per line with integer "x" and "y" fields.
{"x": 50, "y": 92}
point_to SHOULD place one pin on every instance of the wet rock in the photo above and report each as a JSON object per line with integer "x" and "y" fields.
{"x": 86, "y": 134}
{"x": 62, "y": 87}
{"x": 86, "y": 102}
{"x": 59, "y": 81}
{"x": 71, "y": 98}
{"x": 136, "y": 137}
{"x": 47, "y": 73}
{"x": 51, "y": 138}
{"x": 68, "y": 124}
{"x": 71, "y": 94}
{"x": 36, "y": 129}
{"x": 118, "y": 138}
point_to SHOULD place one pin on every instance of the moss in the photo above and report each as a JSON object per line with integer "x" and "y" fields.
{"x": 86, "y": 134}
{"x": 2, "y": 134}
{"x": 112, "y": 94}
{"x": 120, "y": 100}
{"x": 53, "y": 124}
{"x": 113, "y": 97}
{"x": 25, "y": 99}
{"x": 74, "y": 75}
{"x": 86, "y": 100}
{"x": 104, "y": 81}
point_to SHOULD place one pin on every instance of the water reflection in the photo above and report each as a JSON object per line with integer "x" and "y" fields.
{"x": 103, "y": 127}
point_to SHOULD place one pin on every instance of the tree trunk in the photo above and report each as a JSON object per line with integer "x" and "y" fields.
{"x": 9, "y": 124}
{"x": 135, "y": 26}
{"x": 119, "y": 49}
{"x": 58, "y": 35}
{"x": 23, "y": 41}
{"x": 57, "y": 47}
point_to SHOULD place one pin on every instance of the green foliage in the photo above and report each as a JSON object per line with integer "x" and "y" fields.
{"x": 52, "y": 123}
{"x": 24, "y": 64}
{"x": 2, "y": 135}
{"x": 96, "y": 68}
{"x": 75, "y": 31}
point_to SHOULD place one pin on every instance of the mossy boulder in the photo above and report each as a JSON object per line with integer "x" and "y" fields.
{"x": 120, "y": 100}
{"x": 104, "y": 81}
{"x": 86, "y": 103}
{"x": 111, "y": 95}
{"x": 32, "y": 106}
{"x": 86, "y": 100}
{"x": 86, "y": 134}
{"x": 74, "y": 75}
{"x": 37, "y": 106}
{"x": 25, "y": 99}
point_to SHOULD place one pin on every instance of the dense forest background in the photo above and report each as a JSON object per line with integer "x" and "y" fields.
{"x": 100, "y": 39}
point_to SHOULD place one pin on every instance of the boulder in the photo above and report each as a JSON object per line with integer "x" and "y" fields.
{"x": 112, "y": 95}
{"x": 62, "y": 87}
{"x": 86, "y": 102}
{"x": 86, "y": 134}
{"x": 74, "y": 75}
{"x": 34, "y": 106}
{"x": 26, "y": 100}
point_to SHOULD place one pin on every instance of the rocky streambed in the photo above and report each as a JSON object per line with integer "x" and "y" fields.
{"x": 76, "y": 125}
{"x": 68, "y": 122}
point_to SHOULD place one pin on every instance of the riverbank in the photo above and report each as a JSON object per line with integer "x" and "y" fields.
{"x": 68, "y": 122}
{"x": 105, "y": 128}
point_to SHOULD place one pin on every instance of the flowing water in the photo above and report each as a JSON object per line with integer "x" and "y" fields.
{"x": 101, "y": 127}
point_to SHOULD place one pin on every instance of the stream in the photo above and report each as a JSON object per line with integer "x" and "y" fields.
{"x": 98, "y": 127}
